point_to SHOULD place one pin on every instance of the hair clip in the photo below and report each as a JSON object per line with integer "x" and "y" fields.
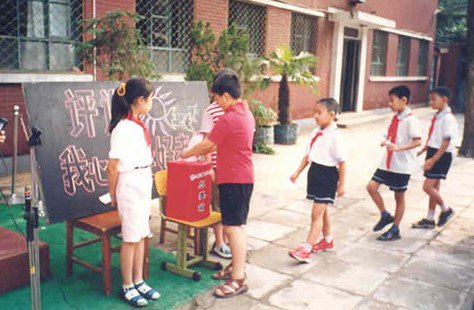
{"x": 121, "y": 90}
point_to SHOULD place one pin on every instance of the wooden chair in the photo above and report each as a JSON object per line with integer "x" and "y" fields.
{"x": 104, "y": 225}
{"x": 183, "y": 258}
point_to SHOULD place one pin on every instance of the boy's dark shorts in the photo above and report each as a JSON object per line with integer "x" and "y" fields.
{"x": 322, "y": 183}
{"x": 234, "y": 203}
{"x": 397, "y": 182}
{"x": 441, "y": 167}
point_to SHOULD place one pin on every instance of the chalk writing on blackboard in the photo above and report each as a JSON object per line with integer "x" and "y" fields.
{"x": 105, "y": 102}
{"x": 168, "y": 148}
{"x": 184, "y": 119}
{"x": 158, "y": 121}
{"x": 82, "y": 109}
{"x": 80, "y": 171}
{"x": 166, "y": 118}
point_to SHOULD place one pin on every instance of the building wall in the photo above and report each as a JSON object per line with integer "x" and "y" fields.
{"x": 450, "y": 66}
{"x": 452, "y": 63}
{"x": 375, "y": 95}
{"x": 277, "y": 29}
{"x": 11, "y": 95}
{"x": 406, "y": 13}
{"x": 215, "y": 12}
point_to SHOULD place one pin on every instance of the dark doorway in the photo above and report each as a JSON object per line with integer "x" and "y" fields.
{"x": 350, "y": 74}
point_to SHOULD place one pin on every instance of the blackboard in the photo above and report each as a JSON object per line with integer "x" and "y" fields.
{"x": 74, "y": 119}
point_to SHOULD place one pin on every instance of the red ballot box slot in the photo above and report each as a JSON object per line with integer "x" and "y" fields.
{"x": 188, "y": 190}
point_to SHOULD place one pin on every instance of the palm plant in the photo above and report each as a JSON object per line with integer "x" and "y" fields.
{"x": 296, "y": 68}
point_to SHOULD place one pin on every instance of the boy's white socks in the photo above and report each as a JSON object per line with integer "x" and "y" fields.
{"x": 444, "y": 208}
{"x": 307, "y": 246}
{"x": 431, "y": 214}
{"x": 138, "y": 282}
{"x": 328, "y": 238}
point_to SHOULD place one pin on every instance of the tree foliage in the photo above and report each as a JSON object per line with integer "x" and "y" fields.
{"x": 451, "y": 24}
{"x": 116, "y": 46}
{"x": 231, "y": 50}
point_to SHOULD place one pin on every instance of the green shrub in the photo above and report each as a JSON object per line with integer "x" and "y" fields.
{"x": 264, "y": 117}
{"x": 262, "y": 148}
{"x": 116, "y": 47}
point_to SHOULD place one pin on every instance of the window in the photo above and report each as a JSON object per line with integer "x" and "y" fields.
{"x": 165, "y": 29}
{"x": 39, "y": 35}
{"x": 403, "y": 56}
{"x": 303, "y": 33}
{"x": 379, "y": 53}
{"x": 251, "y": 19}
{"x": 423, "y": 53}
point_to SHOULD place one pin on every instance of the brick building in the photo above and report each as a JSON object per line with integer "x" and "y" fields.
{"x": 363, "y": 50}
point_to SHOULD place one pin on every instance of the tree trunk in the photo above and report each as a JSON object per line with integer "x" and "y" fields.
{"x": 467, "y": 146}
{"x": 284, "y": 101}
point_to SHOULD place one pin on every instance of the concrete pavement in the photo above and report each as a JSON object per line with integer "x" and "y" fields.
{"x": 424, "y": 270}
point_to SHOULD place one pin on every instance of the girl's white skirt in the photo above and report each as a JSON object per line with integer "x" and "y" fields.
{"x": 134, "y": 202}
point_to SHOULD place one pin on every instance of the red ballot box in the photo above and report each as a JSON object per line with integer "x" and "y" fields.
{"x": 188, "y": 192}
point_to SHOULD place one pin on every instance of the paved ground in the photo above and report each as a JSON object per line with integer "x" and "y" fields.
{"x": 424, "y": 270}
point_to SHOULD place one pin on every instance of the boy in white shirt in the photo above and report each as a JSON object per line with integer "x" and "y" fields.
{"x": 325, "y": 178}
{"x": 439, "y": 150}
{"x": 402, "y": 139}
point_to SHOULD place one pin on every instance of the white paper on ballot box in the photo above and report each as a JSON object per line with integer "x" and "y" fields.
{"x": 195, "y": 139}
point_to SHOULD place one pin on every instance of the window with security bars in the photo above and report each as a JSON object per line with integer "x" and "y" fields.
{"x": 423, "y": 53}
{"x": 251, "y": 19}
{"x": 403, "y": 57}
{"x": 165, "y": 28}
{"x": 379, "y": 53}
{"x": 39, "y": 35}
{"x": 303, "y": 33}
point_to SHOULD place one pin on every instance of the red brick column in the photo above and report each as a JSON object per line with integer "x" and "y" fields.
{"x": 392, "y": 54}
{"x": 324, "y": 42}
{"x": 215, "y": 12}
{"x": 104, "y": 6}
{"x": 413, "y": 62}
{"x": 278, "y": 28}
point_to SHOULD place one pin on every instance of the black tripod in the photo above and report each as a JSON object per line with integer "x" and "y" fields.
{"x": 32, "y": 223}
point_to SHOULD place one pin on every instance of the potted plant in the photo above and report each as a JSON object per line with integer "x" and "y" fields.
{"x": 265, "y": 118}
{"x": 297, "y": 69}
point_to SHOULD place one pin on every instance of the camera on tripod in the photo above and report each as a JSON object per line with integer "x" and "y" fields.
{"x": 34, "y": 139}
{"x": 3, "y": 123}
